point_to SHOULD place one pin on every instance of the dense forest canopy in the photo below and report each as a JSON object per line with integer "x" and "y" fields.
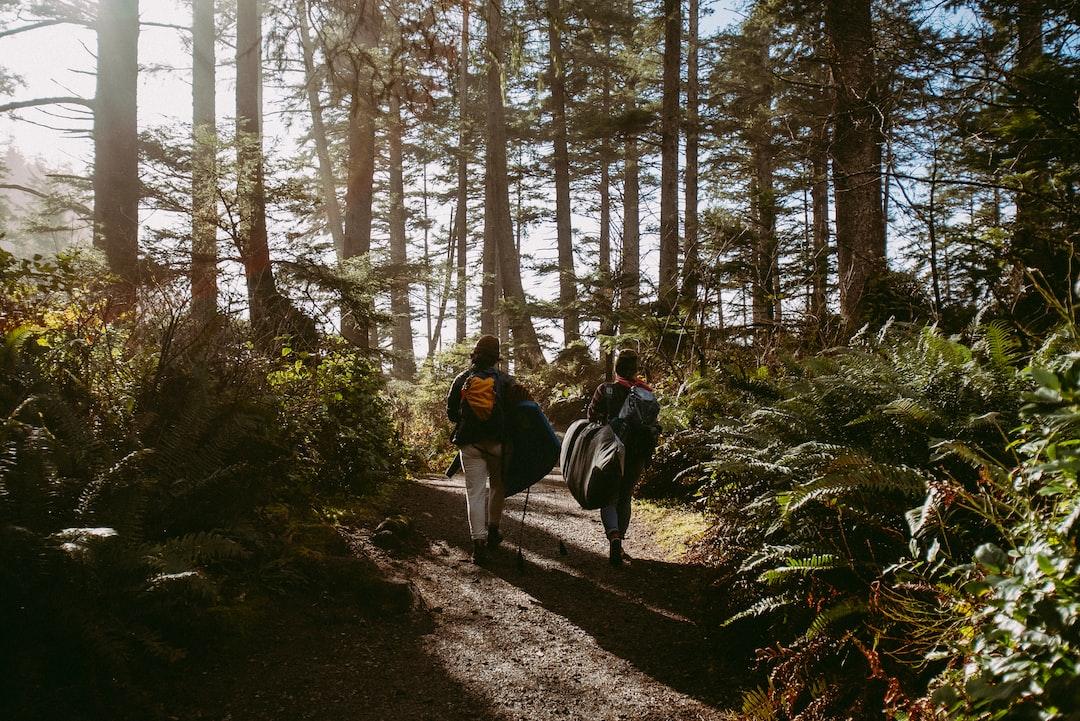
{"x": 763, "y": 168}
{"x": 246, "y": 244}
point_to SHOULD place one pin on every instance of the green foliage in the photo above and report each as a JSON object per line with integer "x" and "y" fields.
{"x": 1019, "y": 646}
{"x": 153, "y": 473}
{"x": 333, "y": 405}
{"x": 808, "y": 479}
{"x": 420, "y": 408}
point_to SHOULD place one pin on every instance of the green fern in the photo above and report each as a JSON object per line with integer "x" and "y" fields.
{"x": 763, "y": 607}
{"x": 853, "y": 474}
{"x": 758, "y": 705}
{"x": 824, "y": 620}
{"x": 800, "y": 567}
{"x": 181, "y": 554}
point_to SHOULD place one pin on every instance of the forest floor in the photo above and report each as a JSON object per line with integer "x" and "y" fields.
{"x": 563, "y": 637}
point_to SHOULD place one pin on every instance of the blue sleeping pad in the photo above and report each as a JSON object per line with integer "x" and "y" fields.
{"x": 534, "y": 447}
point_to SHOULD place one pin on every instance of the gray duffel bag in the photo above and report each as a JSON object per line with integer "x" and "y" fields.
{"x": 592, "y": 460}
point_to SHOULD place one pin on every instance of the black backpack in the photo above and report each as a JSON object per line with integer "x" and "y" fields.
{"x": 636, "y": 423}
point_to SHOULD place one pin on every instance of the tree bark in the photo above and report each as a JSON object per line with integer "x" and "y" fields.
{"x": 607, "y": 325}
{"x": 404, "y": 366}
{"x": 630, "y": 277}
{"x": 765, "y": 279}
{"x": 497, "y": 214}
{"x": 461, "y": 227}
{"x": 560, "y": 162}
{"x": 819, "y": 261}
{"x": 1034, "y": 246}
{"x": 312, "y": 83}
{"x": 204, "y": 190}
{"x": 489, "y": 283}
{"x": 690, "y": 270}
{"x": 931, "y": 230}
{"x": 427, "y": 256}
{"x": 856, "y": 155}
{"x": 359, "y": 191}
{"x": 116, "y": 143}
{"x": 669, "y": 157}
{"x": 263, "y": 298}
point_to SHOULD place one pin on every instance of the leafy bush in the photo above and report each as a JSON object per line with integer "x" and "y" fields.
{"x": 421, "y": 410}
{"x": 1016, "y": 644}
{"x": 334, "y": 407}
{"x": 809, "y": 488}
{"x": 153, "y": 472}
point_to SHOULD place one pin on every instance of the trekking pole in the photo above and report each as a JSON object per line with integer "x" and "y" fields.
{"x": 521, "y": 531}
{"x": 560, "y": 503}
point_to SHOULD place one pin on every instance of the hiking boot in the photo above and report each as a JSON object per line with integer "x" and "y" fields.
{"x": 615, "y": 552}
{"x": 479, "y": 551}
{"x": 494, "y": 537}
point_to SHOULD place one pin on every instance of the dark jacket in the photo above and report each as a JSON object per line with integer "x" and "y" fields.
{"x": 606, "y": 404}
{"x": 607, "y": 400}
{"x": 468, "y": 429}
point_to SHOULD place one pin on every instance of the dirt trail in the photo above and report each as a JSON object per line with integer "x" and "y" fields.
{"x": 567, "y": 637}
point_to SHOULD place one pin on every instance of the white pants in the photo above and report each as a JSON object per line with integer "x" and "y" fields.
{"x": 482, "y": 463}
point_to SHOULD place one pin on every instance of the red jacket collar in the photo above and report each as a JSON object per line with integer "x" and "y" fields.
{"x": 632, "y": 383}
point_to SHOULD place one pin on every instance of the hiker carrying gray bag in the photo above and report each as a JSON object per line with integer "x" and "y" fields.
{"x": 629, "y": 408}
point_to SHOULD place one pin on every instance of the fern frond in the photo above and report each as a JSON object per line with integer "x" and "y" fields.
{"x": 180, "y": 554}
{"x": 758, "y": 705}
{"x": 800, "y": 567}
{"x": 851, "y": 474}
{"x": 911, "y": 410}
{"x": 769, "y": 554}
{"x": 824, "y": 620}
{"x": 764, "y": 606}
{"x": 1001, "y": 345}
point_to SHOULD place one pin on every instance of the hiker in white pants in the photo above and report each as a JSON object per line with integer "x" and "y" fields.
{"x": 482, "y": 463}
{"x": 476, "y": 405}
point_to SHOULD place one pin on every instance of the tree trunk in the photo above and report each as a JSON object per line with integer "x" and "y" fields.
{"x": 427, "y": 258}
{"x": 116, "y": 143}
{"x": 764, "y": 283}
{"x": 204, "y": 190}
{"x": 263, "y": 297}
{"x": 489, "y": 283}
{"x": 560, "y": 162}
{"x": 359, "y": 191}
{"x": 461, "y": 227}
{"x": 931, "y": 231}
{"x": 630, "y": 277}
{"x": 856, "y": 154}
{"x": 1034, "y": 245}
{"x": 669, "y": 157}
{"x": 819, "y": 262}
{"x": 691, "y": 271}
{"x": 318, "y": 133}
{"x": 607, "y": 326}
{"x": 404, "y": 366}
{"x": 497, "y": 214}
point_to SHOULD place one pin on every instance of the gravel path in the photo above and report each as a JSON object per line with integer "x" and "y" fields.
{"x": 565, "y": 637}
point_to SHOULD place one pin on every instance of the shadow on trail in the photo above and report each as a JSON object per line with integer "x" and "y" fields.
{"x": 644, "y": 614}
{"x": 327, "y": 664}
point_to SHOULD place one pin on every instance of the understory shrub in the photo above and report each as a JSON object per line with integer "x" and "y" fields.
{"x": 420, "y": 408}
{"x": 333, "y": 405}
{"x": 809, "y": 488}
{"x": 154, "y": 473}
{"x": 1010, "y": 611}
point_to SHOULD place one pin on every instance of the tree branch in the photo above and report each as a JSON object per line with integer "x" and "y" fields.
{"x": 70, "y": 204}
{"x": 31, "y": 26}
{"x": 148, "y": 24}
{"x": 37, "y": 102}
